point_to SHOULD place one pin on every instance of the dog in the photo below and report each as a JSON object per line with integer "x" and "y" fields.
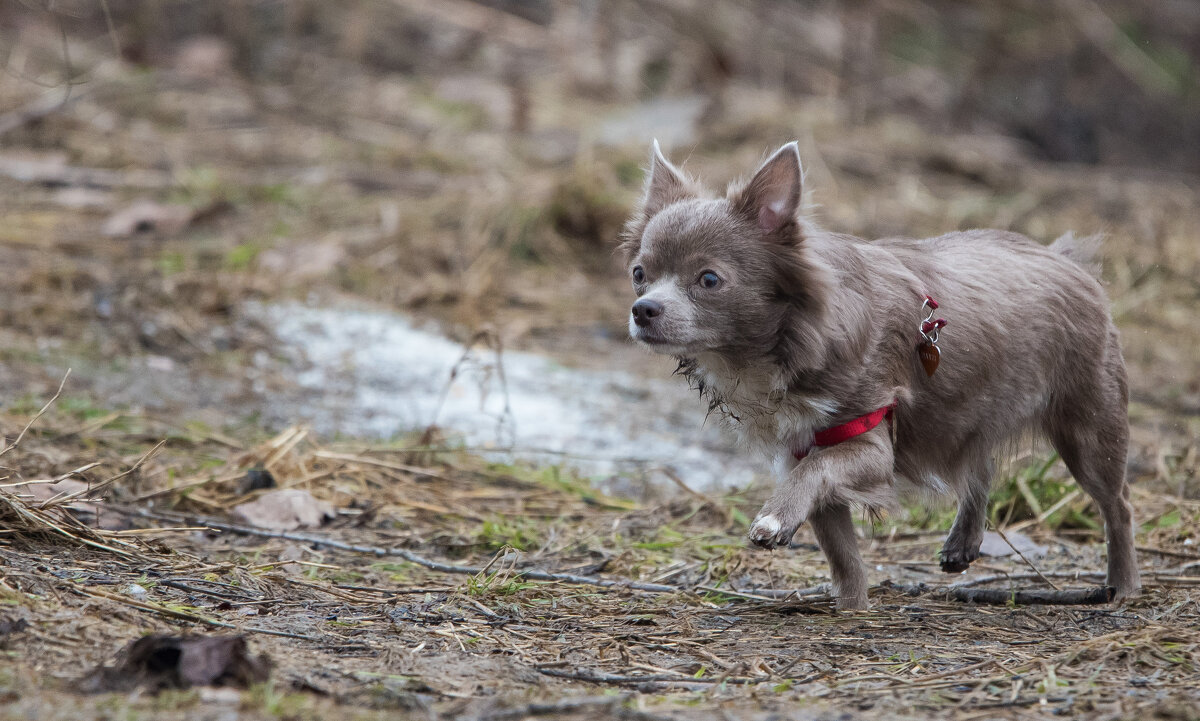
{"x": 822, "y": 352}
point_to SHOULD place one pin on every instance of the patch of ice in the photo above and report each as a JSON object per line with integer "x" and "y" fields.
{"x": 368, "y": 373}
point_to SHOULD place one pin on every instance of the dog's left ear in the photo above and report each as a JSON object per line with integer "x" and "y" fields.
{"x": 772, "y": 198}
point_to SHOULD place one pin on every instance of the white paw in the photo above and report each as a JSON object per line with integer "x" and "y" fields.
{"x": 766, "y": 526}
{"x": 765, "y": 532}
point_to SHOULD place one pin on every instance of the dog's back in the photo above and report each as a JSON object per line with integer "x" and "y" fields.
{"x": 1028, "y": 332}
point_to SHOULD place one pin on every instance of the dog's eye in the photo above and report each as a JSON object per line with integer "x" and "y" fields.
{"x": 638, "y": 274}
{"x": 709, "y": 279}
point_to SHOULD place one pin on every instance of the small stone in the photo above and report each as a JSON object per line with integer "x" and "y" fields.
{"x": 994, "y": 545}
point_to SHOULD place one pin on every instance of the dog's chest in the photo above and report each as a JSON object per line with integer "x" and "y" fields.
{"x": 764, "y": 415}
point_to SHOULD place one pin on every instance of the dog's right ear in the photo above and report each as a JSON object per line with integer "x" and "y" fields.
{"x": 664, "y": 185}
{"x": 772, "y": 198}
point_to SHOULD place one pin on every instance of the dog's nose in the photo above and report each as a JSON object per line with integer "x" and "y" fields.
{"x": 645, "y": 310}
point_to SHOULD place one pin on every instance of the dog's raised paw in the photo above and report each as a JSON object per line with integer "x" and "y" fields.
{"x": 769, "y": 532}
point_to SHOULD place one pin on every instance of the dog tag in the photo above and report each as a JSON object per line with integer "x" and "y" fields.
{"x": 930, "y": 357}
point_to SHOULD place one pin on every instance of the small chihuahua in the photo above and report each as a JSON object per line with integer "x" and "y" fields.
{"x": 822, "y": 352}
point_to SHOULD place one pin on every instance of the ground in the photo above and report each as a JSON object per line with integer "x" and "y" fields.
{"x": 419, "y": 608}
{"x": 148, "y": 217}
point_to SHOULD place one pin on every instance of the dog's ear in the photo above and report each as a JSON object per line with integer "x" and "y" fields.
{"x": 771, "y": 200}
{"x": 664, "y": 185}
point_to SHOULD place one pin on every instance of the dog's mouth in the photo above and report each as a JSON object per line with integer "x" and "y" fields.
{"x": 649, "y": 336}
{"x": 657, "y": 343}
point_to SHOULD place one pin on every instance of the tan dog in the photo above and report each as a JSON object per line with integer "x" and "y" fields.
{"x": 816, "y": 348}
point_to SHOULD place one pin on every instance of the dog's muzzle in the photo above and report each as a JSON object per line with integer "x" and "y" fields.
{"x": 645, "y": 311}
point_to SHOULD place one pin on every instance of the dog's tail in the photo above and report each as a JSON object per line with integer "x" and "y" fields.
{"x": 1084, "y": 251}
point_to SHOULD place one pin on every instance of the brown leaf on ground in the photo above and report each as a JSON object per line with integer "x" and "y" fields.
{"x": 285, "y": 510}
{"x": 157, "y": 662}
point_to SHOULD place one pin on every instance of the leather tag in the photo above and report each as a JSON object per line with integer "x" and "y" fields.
{"x": 930, "y": 357}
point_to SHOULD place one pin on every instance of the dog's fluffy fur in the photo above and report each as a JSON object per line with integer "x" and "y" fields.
{"x": 789, "y": 329}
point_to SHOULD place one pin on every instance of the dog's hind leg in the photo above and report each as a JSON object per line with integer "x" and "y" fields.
{"x": 834, "y": 529}
{"x": 1091, "y": 432}
{"x": 962, "y": 545}
{"x": 1096, "y": 457}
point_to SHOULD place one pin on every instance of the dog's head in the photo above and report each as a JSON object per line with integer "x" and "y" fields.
{"x": 725, "y": 276}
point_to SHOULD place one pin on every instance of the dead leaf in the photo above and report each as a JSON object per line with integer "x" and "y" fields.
{"x": 148, "y": 216}
{"x": 285, "y": 510}
{"x": 158, "y": 662}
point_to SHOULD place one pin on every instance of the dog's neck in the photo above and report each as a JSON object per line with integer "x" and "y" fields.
{"x": 757, "y": 401}
{"x": 734, "y": 391}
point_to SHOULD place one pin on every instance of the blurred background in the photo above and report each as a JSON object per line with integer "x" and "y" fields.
{"x": 272, "y": 212}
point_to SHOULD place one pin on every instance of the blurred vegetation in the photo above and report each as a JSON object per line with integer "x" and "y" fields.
{"x": 471, "y": 162}
{"x": 1090, "y": 81}
{"x": 1033, "y": 492}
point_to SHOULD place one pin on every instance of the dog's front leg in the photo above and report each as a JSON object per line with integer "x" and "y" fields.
{"x": 835, "y": 535}
{"x": 821, "y": 488}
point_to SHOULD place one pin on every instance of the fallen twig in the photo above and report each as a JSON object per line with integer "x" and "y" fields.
{"x": 1169, "y": 552}
{"x": 184, "y": 616}
{"x": 1021, "y": 597}
{"x": 404, "y": 467}
{"x": 624, "y": 680}
{"x": 1035, "y": 597}
{"x": 961, "y": 591}
{"x": 769, "y": 594}
{"x": 612, "y": 705}
{"x": 1029, "y": 563}
{"x": 1026, "y": 577}
{"x": 530, "y": 573}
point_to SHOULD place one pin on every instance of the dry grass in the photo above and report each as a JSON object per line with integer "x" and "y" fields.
{"x": 376, "y": 610}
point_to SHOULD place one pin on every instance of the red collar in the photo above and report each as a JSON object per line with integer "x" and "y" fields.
{"x": 836, "y": 434}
